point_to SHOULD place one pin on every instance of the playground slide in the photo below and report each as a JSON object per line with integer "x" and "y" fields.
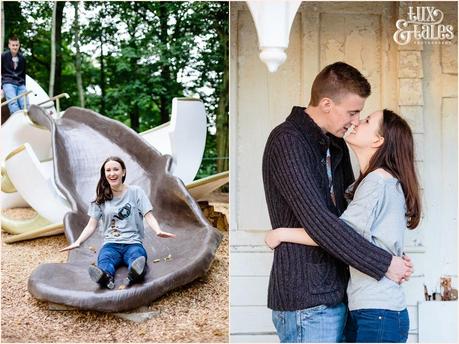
{"x": 183, "y": 137}
{"x": 81, "y": 141}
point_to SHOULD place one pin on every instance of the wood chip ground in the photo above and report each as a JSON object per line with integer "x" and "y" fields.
{"x": 197, "y": 312}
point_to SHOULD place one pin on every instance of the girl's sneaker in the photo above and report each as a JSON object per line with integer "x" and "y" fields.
{"x": 101, "y": 277}
{"x": 136, "y": 271}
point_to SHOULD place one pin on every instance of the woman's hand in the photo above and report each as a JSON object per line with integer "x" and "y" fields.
{"x": 70, "y": 247}
{"x": 85, "y": 234}
{"x": 163, "y": 234}
{"x": 272, "y": 239}
{"x": 153, "y": 223}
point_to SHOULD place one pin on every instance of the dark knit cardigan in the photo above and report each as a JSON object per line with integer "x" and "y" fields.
{"x": 296, "y": 188}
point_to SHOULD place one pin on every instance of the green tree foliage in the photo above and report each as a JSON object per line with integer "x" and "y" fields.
{"x": 135, "y": 57}
{"x": 212, "y": 19}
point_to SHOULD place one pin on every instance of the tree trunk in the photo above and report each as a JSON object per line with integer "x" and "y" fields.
{"x": 222, "y": 113}
{"x": 102, "y": 74}
{"x": 78, "y": 54}
{"x": 163, "y": 99}
{"x": 2, "y": 29}
{"x": 52, "y": 72}
{"x": 58, "y": 32}
{"x": 133, "y": 26}
{"x": 134, "y": 116}
{"x": 165, "y": 70}
{"x": 134, "y": 112}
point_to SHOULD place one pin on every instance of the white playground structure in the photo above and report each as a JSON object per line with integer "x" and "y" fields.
{"x": 27, "y": 162}
{"x": 184, "y": 137}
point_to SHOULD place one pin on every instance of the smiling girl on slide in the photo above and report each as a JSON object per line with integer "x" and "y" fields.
{"x": 122, "y": 209}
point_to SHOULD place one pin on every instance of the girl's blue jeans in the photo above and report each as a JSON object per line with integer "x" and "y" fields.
{"x": 377, "y": 326}
{"x": 111, "y": 256}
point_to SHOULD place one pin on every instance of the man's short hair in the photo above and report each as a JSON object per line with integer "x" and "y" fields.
{"x": 13, "y": 38}
{"x": 336, "y": 80}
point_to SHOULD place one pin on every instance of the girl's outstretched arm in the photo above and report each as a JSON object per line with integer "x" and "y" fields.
{"x": 87, "y": 232}
{"x": 151, "y": 220}
{"x": 294, "y": 235}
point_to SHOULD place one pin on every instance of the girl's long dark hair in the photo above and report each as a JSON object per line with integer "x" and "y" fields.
{"x": 396, "y": 156}
{"x": 103, "y": 191}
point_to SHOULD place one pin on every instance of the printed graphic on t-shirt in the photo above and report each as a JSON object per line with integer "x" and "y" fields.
{"x": 123, "y": 213}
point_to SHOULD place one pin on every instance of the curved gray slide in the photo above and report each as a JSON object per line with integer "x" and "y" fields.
{"x": 81, "y": 141}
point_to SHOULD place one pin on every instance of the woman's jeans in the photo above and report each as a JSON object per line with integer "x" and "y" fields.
{"x": 111, "y": 256}
{"x": 316, "y": 324}
{"x": 378, "y": 326}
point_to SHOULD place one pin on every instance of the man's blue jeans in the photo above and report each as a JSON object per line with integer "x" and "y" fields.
{"x": 12, "y": 91}
{"x": 111, "y": 256}
{"x": 378, "y": 326}
{"x": 316, "y": 324}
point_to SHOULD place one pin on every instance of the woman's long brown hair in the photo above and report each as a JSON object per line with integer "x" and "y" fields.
{"x": 104, "y": 191}
{"x": 396, "y": 156}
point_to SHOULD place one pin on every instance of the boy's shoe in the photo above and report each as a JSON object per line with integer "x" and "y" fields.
{"x": 101, "y": 277}
{"x": 136, "y": 272}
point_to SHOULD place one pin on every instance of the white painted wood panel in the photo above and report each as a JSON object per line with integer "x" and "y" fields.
{"x": 438, "y": 322}
{"x": 256, "y": 338}
{"x": 450, "y": 165}
{"x": 249, "y": 291}
{"x": 250, "y": 319}
{"x": 412, "y": 338}
{"x": 251, "y": 263}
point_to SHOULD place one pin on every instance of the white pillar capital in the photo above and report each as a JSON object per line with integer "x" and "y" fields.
{"x": 273, "y": 21}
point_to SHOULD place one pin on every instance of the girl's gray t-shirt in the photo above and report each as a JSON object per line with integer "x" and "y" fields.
{"x": 377, "y": 212}
{"x": 122, "y": 217}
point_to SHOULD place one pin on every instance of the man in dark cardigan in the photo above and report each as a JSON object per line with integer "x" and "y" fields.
{"x": 306, "y": 169}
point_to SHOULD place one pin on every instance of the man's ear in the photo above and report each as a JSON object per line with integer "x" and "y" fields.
{"x": 378, "y": 142}
{"x": 325, "y": 105}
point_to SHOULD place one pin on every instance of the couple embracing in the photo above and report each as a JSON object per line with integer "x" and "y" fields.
{"x": 338, "y": 242}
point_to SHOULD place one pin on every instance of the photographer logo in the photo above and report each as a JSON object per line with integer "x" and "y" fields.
{"x": 423, "y": 24}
